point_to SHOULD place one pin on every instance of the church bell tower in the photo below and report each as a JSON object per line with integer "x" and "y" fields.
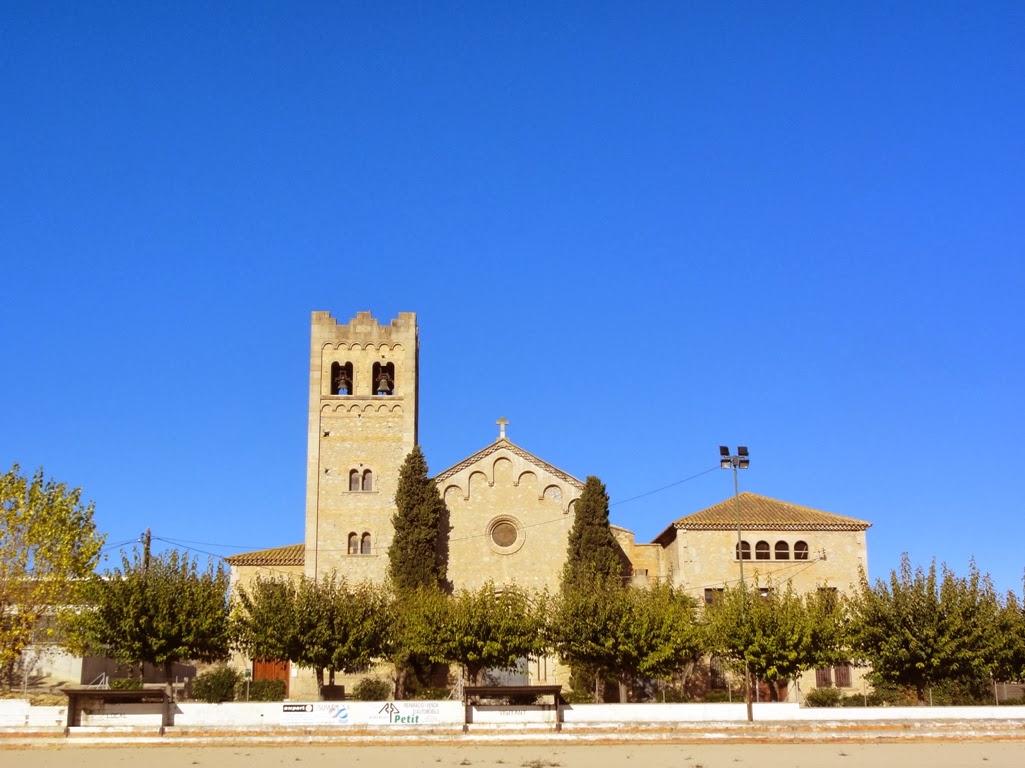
{"x": 362, "y": 425}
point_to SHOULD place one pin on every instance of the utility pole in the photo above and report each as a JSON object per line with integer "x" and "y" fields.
{"x": 145, "y": 551}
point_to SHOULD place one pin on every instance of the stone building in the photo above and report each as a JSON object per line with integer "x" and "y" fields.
{"x": 510, "y": 512}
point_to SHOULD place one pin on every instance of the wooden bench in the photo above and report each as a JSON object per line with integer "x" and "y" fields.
{"x": 78, "y": 695}
{"x": 472, "y": 694}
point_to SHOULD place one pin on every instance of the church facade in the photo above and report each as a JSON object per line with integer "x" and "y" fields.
{"x": 510, "y": 512}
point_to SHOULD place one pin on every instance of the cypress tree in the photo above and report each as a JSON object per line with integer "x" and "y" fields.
{"x": 593, "y": 553}
{"x": 415, "y": 557}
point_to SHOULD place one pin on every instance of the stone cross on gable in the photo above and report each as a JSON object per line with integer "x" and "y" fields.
{"x": 501, "y": 427}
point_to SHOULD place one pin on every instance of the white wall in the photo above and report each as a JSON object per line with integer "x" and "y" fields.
{"x": 425, "y": 714}
{"x": 17, "y": 712}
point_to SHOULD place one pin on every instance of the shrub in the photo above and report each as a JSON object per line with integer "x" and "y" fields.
{"x": 216, "y": 686}
{"x": 672, "y": 695}
{"x": 372, "y": 689}
{"x": 885, "y": 694}
{"x": 855, "y": 700}
{"x": 261, "y": 690}
{"x": 126, "y": 684}
{"x": 823, "y": 697}
{"x": 721, "y": 697}
{"x": 431, "y": 693}
{"x": 581, "y": 696}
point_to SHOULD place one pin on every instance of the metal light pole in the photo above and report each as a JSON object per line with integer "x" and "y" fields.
{"x": 735, "y": 461}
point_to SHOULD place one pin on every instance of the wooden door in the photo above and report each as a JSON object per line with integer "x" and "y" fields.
{"x": 268, "y": 669}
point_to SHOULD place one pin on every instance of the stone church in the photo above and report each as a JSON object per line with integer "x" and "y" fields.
{"x": 510, "y": 512}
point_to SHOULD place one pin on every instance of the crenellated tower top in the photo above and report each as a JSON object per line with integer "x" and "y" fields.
{"x": 365, "y": 321}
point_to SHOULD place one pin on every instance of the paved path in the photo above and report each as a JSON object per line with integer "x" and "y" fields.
{"x": 64, "y": 754}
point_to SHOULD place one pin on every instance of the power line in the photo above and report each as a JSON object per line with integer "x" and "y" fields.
{"x": 184, "y": 542}
{"x": 120, "y": 544}
{"x": 665, "y": 487}
{"x": 190, "y": 549}
{"x": 214, "y": 544}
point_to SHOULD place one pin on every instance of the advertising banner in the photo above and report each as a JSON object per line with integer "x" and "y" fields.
{"x": 320, "y": 713}
{"x": 407, "y": 713}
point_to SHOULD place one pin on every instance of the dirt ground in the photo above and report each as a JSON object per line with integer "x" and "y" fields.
{"x": 934, "y": 755}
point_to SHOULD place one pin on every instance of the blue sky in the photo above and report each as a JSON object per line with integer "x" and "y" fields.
{"x": 636, "y": 230}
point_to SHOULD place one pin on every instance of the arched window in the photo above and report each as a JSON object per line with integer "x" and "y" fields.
{"x": 354, "y": 480}
{"x": 384, "y": 378}
{"x": 353, "y": 544}
{"x": 368, "y": 480}
{"x": 364, "y": 545}
{"x": 745, "y": 548}
{"x": 341, "y": 379}
{"x": 800, "y": 550}
{"x": 782, "y": 550}
{"x": 762, "y": 550}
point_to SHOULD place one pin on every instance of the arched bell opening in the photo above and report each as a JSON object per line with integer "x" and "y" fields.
{"x": 341, "y": 378}
{"x": 384, "y": 379}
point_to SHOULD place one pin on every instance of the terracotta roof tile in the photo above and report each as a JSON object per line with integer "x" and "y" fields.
{"x": 293, "y": 554}
{"x": 760, "y": 513}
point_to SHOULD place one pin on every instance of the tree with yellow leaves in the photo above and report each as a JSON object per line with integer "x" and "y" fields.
{"x": 48, "y": 545}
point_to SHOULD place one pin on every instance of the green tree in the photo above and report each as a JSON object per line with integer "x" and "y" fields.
{"x": 625, "y": 633}
{"x": 829, "y": 627}
{"x": 776, "y": 633}
{"x": 1009, "y": 655}
{"x": 325, "y": 625}
{"x": 414, "y": 639}
{"x": 585, "y": 626}
{"x": 360, "y": 626}
{"x": 48, "y": 544}
{"x": 415, "y": 557}
{"x": 484, "y": 629}
{"x": 919, "y": 630}
{"x": 265, "y": 619}
{"x": 662, "y": 637}
{"x": 592, "y": 552}
{"x": 158, "y": 610}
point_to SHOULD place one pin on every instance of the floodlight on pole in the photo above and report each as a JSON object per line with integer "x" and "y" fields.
{"x": 725, "y": 462}
{"x": 739, "y": 460}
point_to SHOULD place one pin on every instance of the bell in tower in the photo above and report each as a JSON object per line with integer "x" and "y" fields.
{"x": 383, "y": 384}
{"x": 342, "y": 384}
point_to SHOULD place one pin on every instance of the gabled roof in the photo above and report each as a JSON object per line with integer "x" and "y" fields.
{"x": 293, "y": 554}
{"x": 504, "y": 443}
{"x": 760, "y": 513}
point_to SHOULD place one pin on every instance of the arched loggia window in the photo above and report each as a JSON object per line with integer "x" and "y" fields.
{"x": 368, "y": 480}
{"x": 762, "y": 550}
{"x": 800, "y": 550}
{"x": 354, "y": 480}
{"x": 744, "y": 549}
{"x": 353, "y": 543}
{"x": 782, "y": 550}
{"x": 364, "y": 544}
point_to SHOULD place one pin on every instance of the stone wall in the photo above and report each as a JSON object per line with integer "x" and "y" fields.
{"x": 707, "y": 559}
{"x": 510, "y": 521}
